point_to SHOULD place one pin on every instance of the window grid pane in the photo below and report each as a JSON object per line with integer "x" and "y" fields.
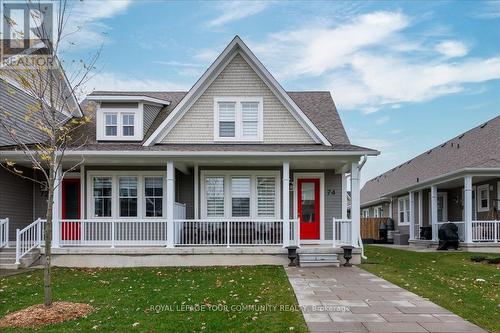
{"x": 128, "y": 125}
{"x": 266, "y": 196}
{"x": 111, "y": 124}
{"x": 153, "y": 193}
{"x": 215, "y": 196}
{"x": 128, "y": 196}
{"x": 250, "y": 119}
{"x": 240, "y": 193}
{"x": 227, "y": 119}
{"x": 102, "y": 196}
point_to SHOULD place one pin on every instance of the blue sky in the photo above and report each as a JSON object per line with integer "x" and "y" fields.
{"x": 405, "y": 75}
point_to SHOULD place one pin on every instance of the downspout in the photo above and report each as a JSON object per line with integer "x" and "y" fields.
{"x": 360, "y": 240}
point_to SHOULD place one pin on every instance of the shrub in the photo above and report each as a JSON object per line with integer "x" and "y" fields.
{"x": 477, "y": 258}
{"x": 494, "y": 261}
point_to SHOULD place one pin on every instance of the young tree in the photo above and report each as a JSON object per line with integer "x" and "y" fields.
{"x": 50, "y": 119}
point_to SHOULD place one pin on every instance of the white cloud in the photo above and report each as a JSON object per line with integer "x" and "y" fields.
{"x": 207, "y": 55}
{"x": 452, "y": 49}
{"x": 84, "y": 22}
{"x": 236, "y": 10}
{"x": 120, "y": 82}
{"x": 368, "y": 61}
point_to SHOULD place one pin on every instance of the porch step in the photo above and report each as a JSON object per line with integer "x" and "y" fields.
{"x": 8, "y": 258}
{"x": 318, "y": 260}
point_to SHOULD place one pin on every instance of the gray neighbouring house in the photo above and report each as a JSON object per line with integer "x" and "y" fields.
{"x": 457, "y": 181}
{"x": 231, "y": 172}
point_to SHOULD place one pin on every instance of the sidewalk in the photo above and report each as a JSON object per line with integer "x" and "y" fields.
{"x": 349, "y": 299}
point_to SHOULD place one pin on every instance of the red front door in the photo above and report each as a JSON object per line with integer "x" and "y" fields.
{"x": 70, "y": 209}
{"x": 308, "y": 208}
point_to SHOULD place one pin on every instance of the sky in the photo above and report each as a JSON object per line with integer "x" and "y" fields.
{"x": 405, "y": 76}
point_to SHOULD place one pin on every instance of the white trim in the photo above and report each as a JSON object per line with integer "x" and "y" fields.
{"x": 238, "y": 122}
{"x": 307, "y": 175}
{"x": 236, "y": 46}
{"x": 141, "y": 204}
{"x": 406, "y": 210}
{"x": 377, "y": 211}
{"x": 138, "y": 114}
{"x": 116, "y": 98}
{"x": 480, "y": 209}
{"x": 365, "y": 213}
{"x": 344, "y": 196}
{"x": 252, "y": 174}
{"x": 196, "y": 192}
{"x": 498, "y": 196}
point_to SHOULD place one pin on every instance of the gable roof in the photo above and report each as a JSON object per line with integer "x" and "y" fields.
{"x": 476, "y": 148}
{"x": 236, "y": 46}
{"x": 318, "y": 106}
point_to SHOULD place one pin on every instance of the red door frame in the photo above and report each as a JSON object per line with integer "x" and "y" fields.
{"x": 70, "y": 230}
{"x": 309, "y": 230}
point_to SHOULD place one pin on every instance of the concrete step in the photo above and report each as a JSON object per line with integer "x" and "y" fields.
{"x": 9, "y": 266}
{"x": 8, "y": 249}
{"x": 318, "y": 260}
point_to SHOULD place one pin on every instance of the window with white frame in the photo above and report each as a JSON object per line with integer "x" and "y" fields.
{"x": 153, "y": 196}
{"x": 238, "y": 119}
{"x": 266, "y": 196}
{"x": 111, "y": 123}
{"x": 240, "y": 194}
{"x": 128, "y": 196}
{"x": 102, "y": 196}
{"x": 377, "y": 211}
{"x": 214, "y": 196}
{"x": 365, "y": 213}
{"x": 442, "y": 207}
{"x": 128, "y": 124}
{"x": 483, "y": 198}
{"x": 404, "y": 210}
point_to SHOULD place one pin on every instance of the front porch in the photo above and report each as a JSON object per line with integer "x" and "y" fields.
{"x": 210, "y": 207}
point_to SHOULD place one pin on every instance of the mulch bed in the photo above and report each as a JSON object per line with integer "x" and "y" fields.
{"x": 39, "y": 315}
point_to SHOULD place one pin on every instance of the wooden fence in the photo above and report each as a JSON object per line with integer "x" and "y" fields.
{"x": 370, "y": 227}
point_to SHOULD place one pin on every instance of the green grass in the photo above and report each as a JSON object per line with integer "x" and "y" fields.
{"x": 126, "y": 296}
{"x": 447, "y": 279}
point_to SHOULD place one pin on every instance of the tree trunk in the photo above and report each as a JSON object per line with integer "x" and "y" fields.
{"x": 47, "y": 287}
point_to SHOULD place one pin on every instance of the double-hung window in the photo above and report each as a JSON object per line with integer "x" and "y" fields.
{"x": 128, "y": 124}
{"x": 102, "y": 192}
{"x": 365, "y": 213}
{"x": 153, "y": 195}
{"x": 238, "y": 119}
{"x": 483, "y": 198}
{"x": 111, "y": 127}
{"x": 128, "y": 196}
{"x": 266, "y": 196}
{"x": 214, "y": 196}
{"x": 240, "y": 196}
{"x": 404, "y": 210}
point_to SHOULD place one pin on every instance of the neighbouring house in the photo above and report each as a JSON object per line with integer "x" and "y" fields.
{"x": 231, "y": 172}
{"x": 457, "y": 181}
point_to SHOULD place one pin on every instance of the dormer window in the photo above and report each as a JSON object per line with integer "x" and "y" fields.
{"x": 128, "y": 124}
{"x": 111, "y": 124}
{"x": 238, "y": 119}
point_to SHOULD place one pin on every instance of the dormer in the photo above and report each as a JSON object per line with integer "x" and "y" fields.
{"x": 125, "y": 117}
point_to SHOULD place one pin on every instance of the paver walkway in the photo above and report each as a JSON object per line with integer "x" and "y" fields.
{"x": 349, "y": 299}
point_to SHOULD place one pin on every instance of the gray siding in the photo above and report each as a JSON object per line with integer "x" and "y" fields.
{"x": 237, "y": 79}
{"x": 150, "y": 113}
{"x": 16, "y": 201}
{"x": 333, "y": 200}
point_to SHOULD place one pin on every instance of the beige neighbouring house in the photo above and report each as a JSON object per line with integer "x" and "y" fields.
{"x": 233, "y": 171}
{"x": 457, "y": 181}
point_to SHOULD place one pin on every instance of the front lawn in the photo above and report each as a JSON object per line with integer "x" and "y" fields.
{"x": 450, "y": 279}
{"x": 212, "y": 299}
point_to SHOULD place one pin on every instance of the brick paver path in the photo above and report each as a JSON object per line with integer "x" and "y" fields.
{"x": 353, "y": 300}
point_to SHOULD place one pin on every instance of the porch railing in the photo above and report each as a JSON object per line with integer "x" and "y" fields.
{"x": 28, "y": 238}
{"x": 460, "y": 225}
{"x": 341, "y": 232}
{"x": 228, "y": 232}
{"x": 486, "y": 231}
{"x": 4, "y": 232}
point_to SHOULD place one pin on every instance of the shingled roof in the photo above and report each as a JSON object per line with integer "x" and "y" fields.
{"x": 318, "y": 106}
{"x": 476, "y": 148}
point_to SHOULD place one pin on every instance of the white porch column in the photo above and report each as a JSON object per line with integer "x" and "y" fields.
{"x": 344, "y": 196}
{"x": 412, "y": 215}
{"x": 390, "y": 209}
{"x": 56, "y": 207}
{"x": 170, "y": 203}
{"x": 420, "y": 211}
{"x": 468, "y": 208}
{"x": 286, "y": 205}
{"x": 434, "y": 212}
{"x": 355, "y": 204}
{"x": 83, "y": 202}
{"x": 196, "y": 193}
